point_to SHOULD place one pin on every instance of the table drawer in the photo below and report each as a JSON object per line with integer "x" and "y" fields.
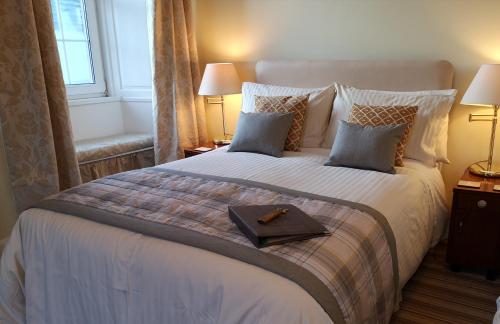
{"x": 477, "y": 201}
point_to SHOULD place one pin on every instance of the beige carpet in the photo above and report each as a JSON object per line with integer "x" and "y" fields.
{"x": 437, "y": 295}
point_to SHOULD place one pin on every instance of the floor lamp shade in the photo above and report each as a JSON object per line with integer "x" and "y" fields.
{"x": 220, "y": 79}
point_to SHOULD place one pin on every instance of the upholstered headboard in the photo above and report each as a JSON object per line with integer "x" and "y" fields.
{"x": 377, "y": 75}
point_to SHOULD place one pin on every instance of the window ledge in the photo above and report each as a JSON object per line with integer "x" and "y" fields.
{"x": 90, "y": 101}
{"x": 137, "y": 99}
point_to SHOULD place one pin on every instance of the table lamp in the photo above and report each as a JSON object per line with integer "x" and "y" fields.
{"x": 220, "y": 79}
{"x": 485, "y": 91}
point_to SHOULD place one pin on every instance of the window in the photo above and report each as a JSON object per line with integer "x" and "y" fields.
{"x": 76, "y": 29}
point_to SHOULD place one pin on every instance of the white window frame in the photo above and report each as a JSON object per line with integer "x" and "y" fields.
{"x": 98, "y": 88}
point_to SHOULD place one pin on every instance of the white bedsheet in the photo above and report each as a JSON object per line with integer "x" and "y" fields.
{"x": 413, "y": 200}
{"x": 83, "y": 272}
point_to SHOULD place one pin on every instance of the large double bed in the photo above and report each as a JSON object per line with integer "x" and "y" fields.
{"x": 64, "y": 267}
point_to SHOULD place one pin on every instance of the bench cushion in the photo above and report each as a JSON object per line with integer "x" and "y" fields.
{"x": 105, "y": 147}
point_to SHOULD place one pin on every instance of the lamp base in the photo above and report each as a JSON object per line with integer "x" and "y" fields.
{"x": 480, "y": 169}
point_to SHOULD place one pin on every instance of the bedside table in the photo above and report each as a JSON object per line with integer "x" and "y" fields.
{"x": 474, "y": 239}
{"x": 190, "y": 151}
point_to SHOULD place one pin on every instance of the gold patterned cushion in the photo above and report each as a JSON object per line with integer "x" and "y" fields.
{"x": 285, "y": 104}
{"x": 386, "y": 115}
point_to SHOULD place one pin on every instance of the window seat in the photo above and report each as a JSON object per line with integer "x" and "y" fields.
{"x": 104, "y": 156}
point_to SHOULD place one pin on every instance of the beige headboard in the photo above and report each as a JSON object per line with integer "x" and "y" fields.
{"x": 377, "y": 75}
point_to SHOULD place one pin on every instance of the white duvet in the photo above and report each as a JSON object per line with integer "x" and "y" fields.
{"x": 78, "y": 271}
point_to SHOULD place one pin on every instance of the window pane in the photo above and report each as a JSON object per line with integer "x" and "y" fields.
{"x": 73, "y": 41}
{"x": 64, "y": 65}
{"x": 73, "y": 19}
{"x": 55, "y": 16}
{"x": 79, "y": 62}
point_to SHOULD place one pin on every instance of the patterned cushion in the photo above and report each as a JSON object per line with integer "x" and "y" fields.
{"x": 319, "y": 107}
{"x": 283, "y": 104}
{"x": 386, "y": 115}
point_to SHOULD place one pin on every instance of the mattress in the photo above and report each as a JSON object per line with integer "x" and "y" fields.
{"x": 113, "y": 275}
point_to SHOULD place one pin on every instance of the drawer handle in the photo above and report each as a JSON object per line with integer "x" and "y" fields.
{"x": 482, "y": 203}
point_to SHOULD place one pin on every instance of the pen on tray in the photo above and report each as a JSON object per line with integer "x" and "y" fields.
{"x": 272, "y": 215}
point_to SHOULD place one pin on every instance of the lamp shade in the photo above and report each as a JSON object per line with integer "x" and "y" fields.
{"x": 485, "y": 87}
{"x": 220, "y": 79}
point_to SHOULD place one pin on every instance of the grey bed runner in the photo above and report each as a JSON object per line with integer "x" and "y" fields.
{"x": 352, "y": 274}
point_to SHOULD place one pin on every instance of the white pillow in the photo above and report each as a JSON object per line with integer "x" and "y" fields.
{"x": 429, "y": 135}
{"x": 318, "y": 109}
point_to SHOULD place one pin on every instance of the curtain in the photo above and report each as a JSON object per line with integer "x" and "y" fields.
{"x": 116, "y": 164}
{"x": 34, "y": 117}
{"x": 179, "y": 113}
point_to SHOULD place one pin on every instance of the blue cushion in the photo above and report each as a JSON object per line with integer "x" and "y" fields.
{"x": 263, "y": 133}
{"x": 366, "y": 147}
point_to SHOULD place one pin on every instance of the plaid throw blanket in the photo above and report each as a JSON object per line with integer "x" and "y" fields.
{"x": 352, "y": 274}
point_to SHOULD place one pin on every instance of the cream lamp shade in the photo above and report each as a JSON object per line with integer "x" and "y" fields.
{"x": 220, "y": 79}
{"x": 485, "y": 87}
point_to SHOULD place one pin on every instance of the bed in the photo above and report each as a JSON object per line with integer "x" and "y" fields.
{"x": 60, "y": 268}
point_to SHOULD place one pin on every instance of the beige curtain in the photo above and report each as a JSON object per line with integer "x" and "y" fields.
{"x": 34, "y": 115}
{"x": 179, "y": 114}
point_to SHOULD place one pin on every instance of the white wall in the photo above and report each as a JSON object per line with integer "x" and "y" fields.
{"x": 132, "y": 48}
{"x": 134, "y": 73}
{"x": 96, "y": 119}
{"x": 137, "y": 116}
{"x": 465, "y": 32}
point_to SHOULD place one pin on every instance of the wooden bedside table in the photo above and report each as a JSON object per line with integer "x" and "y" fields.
{"x": 190, "y": 151}
{"x": 474, "y": 239}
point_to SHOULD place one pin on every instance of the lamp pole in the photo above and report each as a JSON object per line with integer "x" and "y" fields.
{"x": 219, "y": 100}
{"x": 224, "y": 117}
{"x": 492, "y": 139}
